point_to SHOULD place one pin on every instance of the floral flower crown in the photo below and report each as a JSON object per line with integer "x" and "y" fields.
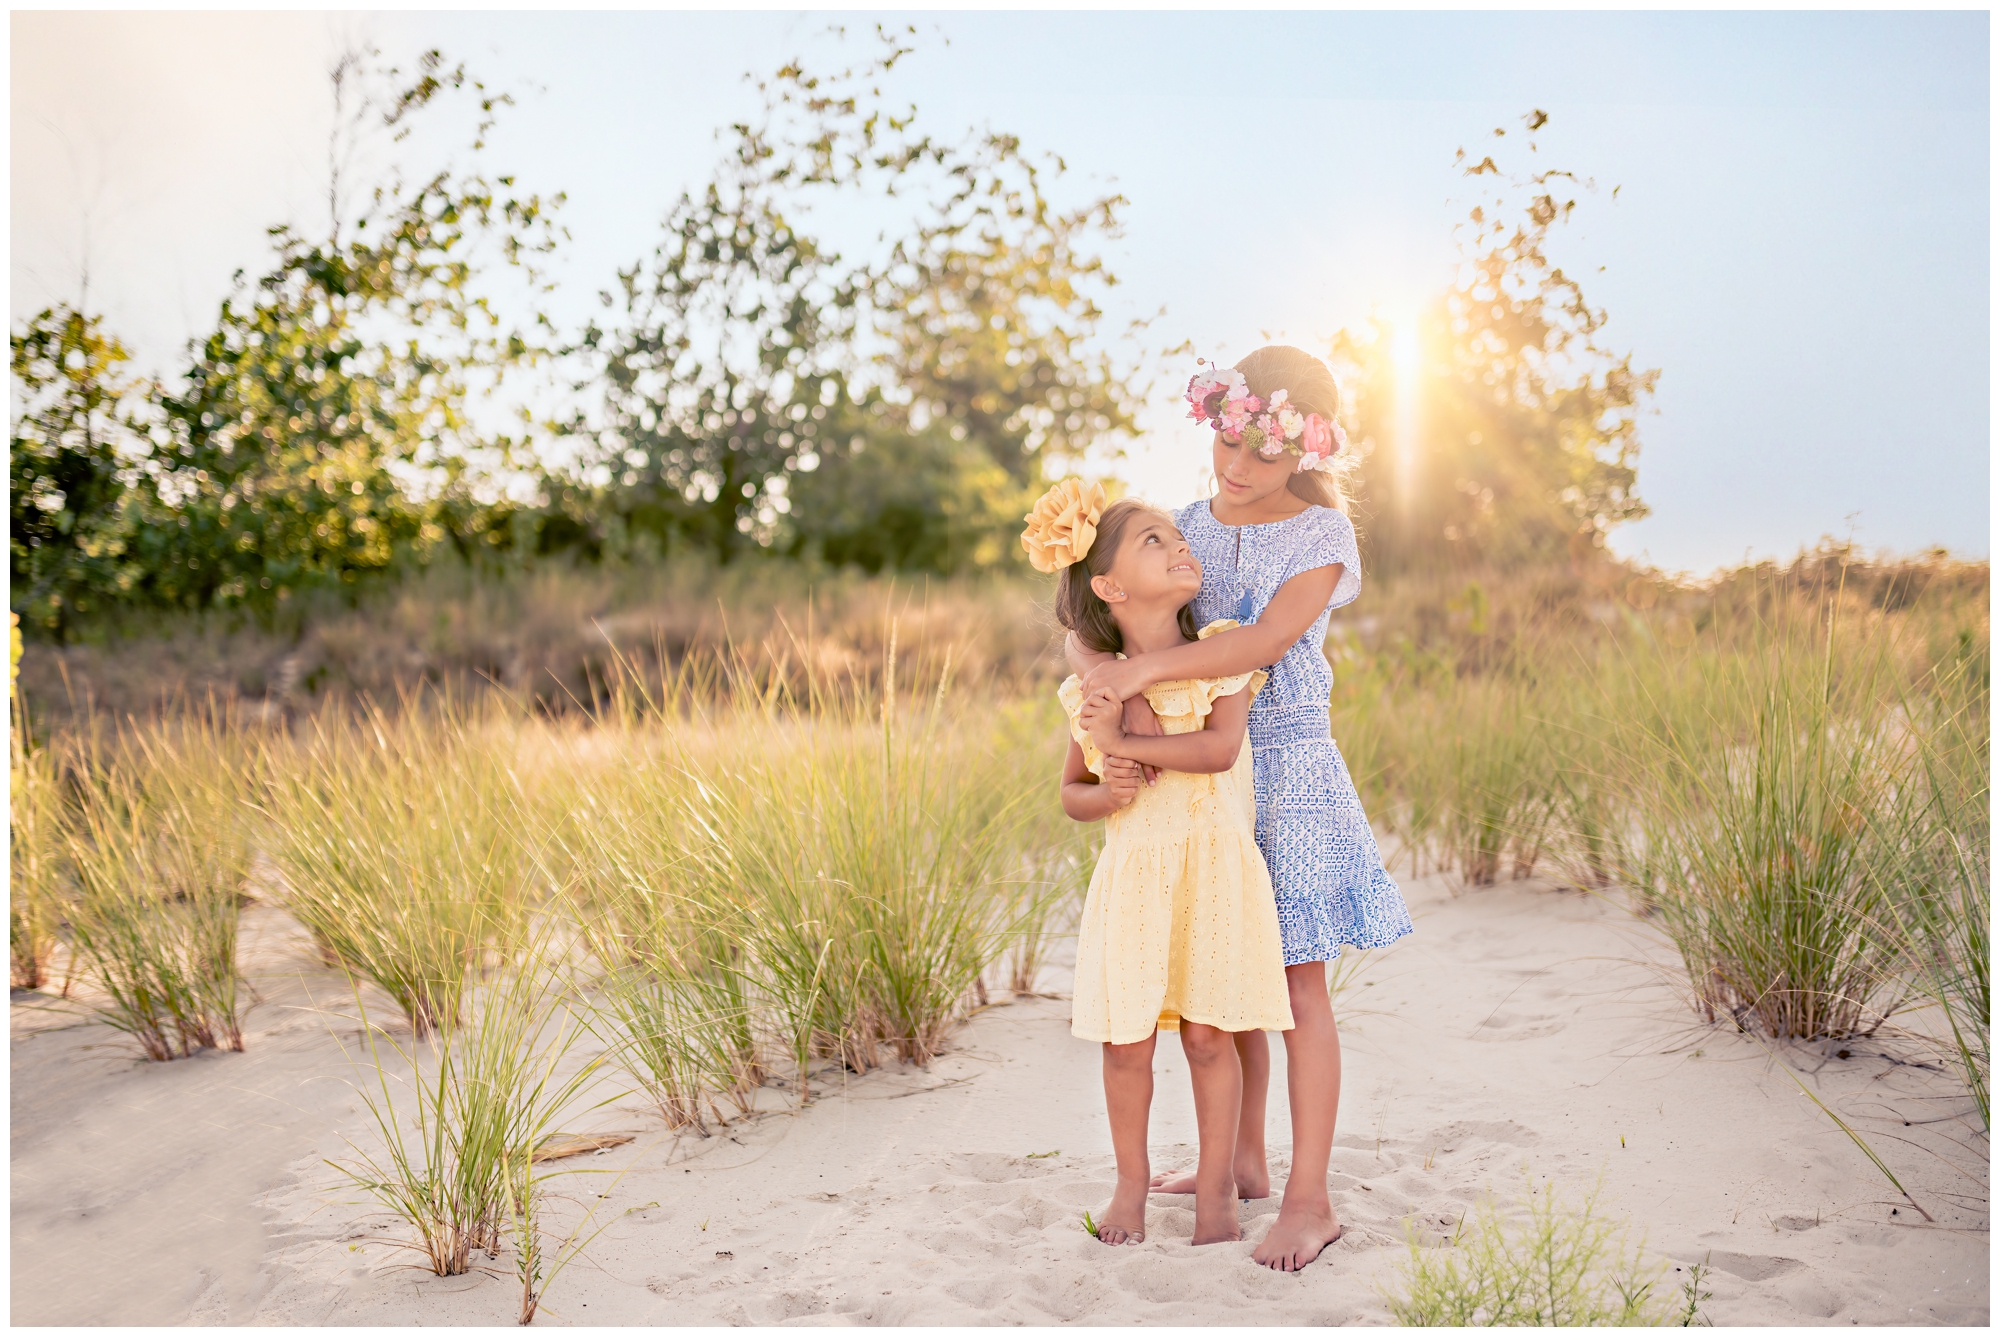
{"x": 1221, "y": 397}
{"x": 1063, "y": 525}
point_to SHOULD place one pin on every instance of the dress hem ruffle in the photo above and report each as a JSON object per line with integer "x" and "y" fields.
{"x": 1164, "y": 1025}
{"x": 1330, "y": 938}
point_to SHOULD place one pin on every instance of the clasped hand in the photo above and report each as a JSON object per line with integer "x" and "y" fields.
{"x": 1103, "y": 717}
{"x": 1123, "y": 678}
{"x": 1100, "y": 717}
{"x": 1110, "y": 722}
{"x": 1121, "y": 780}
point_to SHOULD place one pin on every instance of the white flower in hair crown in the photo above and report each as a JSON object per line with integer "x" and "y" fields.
{"x": 1220, "y": 397}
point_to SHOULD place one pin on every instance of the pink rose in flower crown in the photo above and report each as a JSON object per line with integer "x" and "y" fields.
{"x": 1319, "y": 443}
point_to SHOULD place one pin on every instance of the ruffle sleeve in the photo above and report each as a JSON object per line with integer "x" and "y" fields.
{"x": 1197, "y": 696}
{"x": 1071, "y": 696}
{"x": 1328, "y": 540}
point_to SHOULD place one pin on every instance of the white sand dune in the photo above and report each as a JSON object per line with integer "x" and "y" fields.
{"x": 1519, "y": 1026}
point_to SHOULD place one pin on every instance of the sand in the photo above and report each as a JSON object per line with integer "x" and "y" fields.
{"x": 1520, "y": 1026}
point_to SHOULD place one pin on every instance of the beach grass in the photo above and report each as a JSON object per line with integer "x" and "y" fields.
{"x": 1758, "y": 853}
{"x": 759, "y": 868}
{"x": 40, "y": 879}
{"x": 820, "y": 872}
{"x": 820, "y": 845}
{"x": 405, "y": 849}
{"x": 1495, "y": 785}
{"x": 1543, "y": 1261}
{"x": 457, "y": 1135}
{"x": 1786, "y": 774}
{"x": 160, "y": 842}
{"x": 1935, "y": 876}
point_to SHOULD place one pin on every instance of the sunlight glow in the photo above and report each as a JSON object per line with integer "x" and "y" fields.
{"x": 1406, "y": 354}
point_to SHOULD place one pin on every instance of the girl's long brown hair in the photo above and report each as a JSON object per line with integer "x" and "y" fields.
{"x": 1077, "y": 605}
{"x": 1312, "y": 390}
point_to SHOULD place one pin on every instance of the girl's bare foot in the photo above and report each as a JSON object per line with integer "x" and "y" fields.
{"x": 1297, "y": 1238}
{"x": 1252, "y": 1181}
{"x": 1215, "y": 1219}
{"x": 1124, "y": 1221}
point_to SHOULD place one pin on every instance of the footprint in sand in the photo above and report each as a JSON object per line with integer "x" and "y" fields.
{"x": 1519, "y": 1026}
{"x": 1753, "y": 1266}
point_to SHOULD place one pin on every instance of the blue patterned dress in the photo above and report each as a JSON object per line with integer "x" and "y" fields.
{"x": 1332, "y": 889}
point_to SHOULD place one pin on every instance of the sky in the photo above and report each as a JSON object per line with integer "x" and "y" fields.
{"x": 1799, "y": 242}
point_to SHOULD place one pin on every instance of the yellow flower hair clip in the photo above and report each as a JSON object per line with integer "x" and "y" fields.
{"x": 1063, "y": 525}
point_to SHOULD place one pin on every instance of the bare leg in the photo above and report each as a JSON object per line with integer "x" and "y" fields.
{"x": 1128, "y": 1098}
{"x": 1253, "y": 1171}
{"x": 1306, "y": 1223}
{"x": 1218, "y": 1099}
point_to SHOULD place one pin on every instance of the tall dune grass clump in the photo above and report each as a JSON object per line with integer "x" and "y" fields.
{"x": 1589, "y": 833}
{"x": 1787, "y": 770}
{"x": 1543, "y": 1263}
{"x": 672, "y": 995}
{"x": 682, "y": 1033}
{"x": 407, "y": 850}
{"x": 790, "y": 876}
{"x": 874, "y": 858}
{"x": 160, "y": 843}
{"x": 1812, "y": 809}
{"x": 39, "y": 881}
{"x": 1493, "y": 780}
{"x": 1935, "y": 876}
{"x": 1757, "y": 805}
{"x": 1050, "y": 882}
{"x": 458, "y": 1135}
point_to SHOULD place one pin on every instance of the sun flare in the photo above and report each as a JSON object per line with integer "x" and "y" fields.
{"x": 1406, "y": 355}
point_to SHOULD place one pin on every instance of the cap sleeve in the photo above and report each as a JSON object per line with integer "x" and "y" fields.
{"x": 1329, "y": 541}
{"x": 1071, "y": 696}
{"x": 1197, "y": 696}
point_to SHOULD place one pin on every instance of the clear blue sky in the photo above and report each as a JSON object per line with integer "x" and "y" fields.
{"x": 1800, "y": 241}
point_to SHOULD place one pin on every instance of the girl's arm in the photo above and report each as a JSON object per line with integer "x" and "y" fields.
{"x": 1206, "y": 751}
{"x": 1087, "y": 800}
{"x": 1292, "y": 610}
{"x": 1140, "y": 720}
{"x": 1082, "y": 661}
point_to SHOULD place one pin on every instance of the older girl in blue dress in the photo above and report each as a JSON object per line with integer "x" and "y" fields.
{"x": 1278, "y": 555}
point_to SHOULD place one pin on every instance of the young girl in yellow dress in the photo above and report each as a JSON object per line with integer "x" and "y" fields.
{"x": 1180, "y": 926}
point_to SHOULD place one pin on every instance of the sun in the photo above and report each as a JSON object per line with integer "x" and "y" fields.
{"x": 1404, "y": 349}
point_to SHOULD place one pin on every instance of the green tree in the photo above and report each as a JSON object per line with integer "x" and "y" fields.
{"x": 725, "y": 377}
{"x": 1526, "y": 424}
{"x": 78, "y": 431}
{"x": 322, "y": 430}
{"x": 761, "y": 389}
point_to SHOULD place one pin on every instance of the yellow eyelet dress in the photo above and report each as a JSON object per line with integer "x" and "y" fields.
{"x": 1180, "y": 920}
